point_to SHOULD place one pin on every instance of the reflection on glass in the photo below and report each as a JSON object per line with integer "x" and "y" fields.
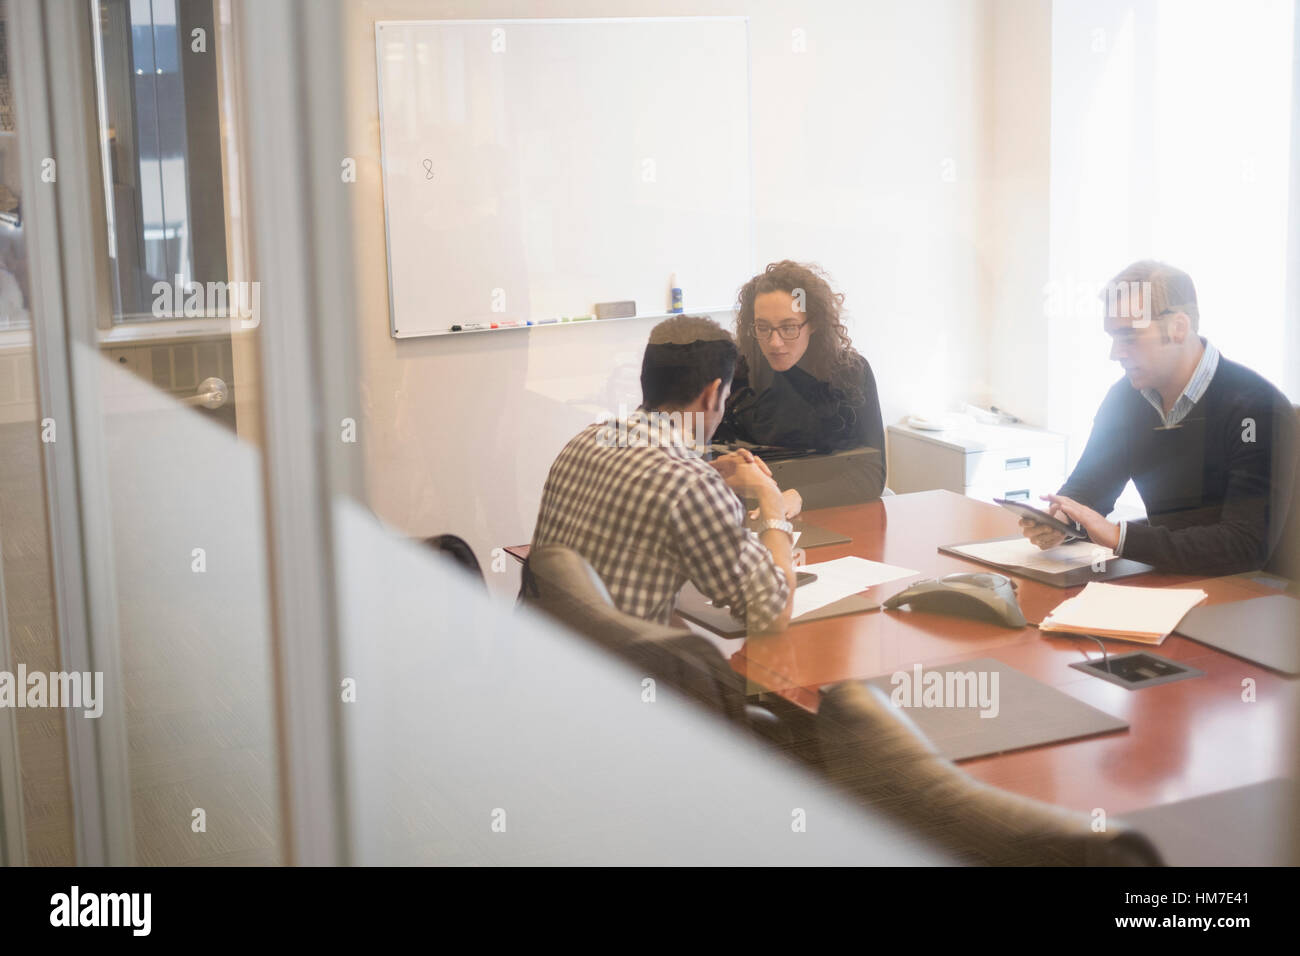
{"x": 179, "y": 543}
{"x": 156, "y": 64}
{"x": 183, "y": 490}
{"x": 189, "y": 565}
{"x": 41, "y": 812}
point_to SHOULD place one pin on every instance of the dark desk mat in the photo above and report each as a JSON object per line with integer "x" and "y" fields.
{"x": 1264, "y": 630}
{"x": 810, "y": 535}
{"x": 1115, "y": 568}
{"x": 1255, "y": 825}
{"x": 1029, "y": 713}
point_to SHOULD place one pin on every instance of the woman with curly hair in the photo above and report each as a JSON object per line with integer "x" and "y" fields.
{"x": 799, "y": 382}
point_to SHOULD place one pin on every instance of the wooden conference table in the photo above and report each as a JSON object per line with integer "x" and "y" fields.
{"x": 1186, "y": 738}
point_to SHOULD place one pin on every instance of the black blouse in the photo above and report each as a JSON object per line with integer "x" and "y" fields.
{"x": 798, "y": 410}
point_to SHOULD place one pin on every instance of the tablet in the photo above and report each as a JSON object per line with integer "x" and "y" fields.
{"x": 1072, "y": 529}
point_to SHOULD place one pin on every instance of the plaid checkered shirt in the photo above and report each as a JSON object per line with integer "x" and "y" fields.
{"x": 649, "y": 515}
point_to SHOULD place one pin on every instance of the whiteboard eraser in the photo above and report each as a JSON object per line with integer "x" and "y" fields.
{"x": 615, "y": 310}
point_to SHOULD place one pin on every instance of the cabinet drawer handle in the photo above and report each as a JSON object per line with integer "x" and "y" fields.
{"x": 1015, "y": 464}
{"x": 1021, "y": 495}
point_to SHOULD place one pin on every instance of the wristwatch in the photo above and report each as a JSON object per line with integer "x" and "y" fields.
{"x": 776, "y": 524}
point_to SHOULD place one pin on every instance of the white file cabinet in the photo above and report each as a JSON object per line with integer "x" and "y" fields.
{"x": 979, "y": 461}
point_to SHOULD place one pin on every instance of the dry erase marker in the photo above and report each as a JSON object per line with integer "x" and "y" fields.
{"x": 470, "y": 327}
{"x": 580, "y": 318}
{"x": 512, "y": 324}
{"x": 547, "y": 321}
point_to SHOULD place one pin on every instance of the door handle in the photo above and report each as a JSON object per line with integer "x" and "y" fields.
{"x": 212, "y": 393}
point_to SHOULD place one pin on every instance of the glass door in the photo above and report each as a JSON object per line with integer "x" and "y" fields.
{"x": 159, "y": 569}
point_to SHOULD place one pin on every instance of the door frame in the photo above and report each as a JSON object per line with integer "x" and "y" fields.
{"x": 300, "y": 247}
{"x": 13, "y": 834}
{"x": 52, "y": 79}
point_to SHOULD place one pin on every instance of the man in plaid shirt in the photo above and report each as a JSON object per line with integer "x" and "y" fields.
{"x": 648, "y": 513}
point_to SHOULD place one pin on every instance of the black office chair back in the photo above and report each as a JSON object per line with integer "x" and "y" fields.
{"x": 873, "y": 750}
{"x": 459, "y": 551}
{"x": 1285, "y": 559}
{"x": 561, "y": 583}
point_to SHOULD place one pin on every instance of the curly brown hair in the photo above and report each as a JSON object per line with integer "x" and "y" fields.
{"x": 830, "y": 350}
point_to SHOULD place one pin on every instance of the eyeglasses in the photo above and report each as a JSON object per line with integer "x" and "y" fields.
{"x": 788, "y": 332}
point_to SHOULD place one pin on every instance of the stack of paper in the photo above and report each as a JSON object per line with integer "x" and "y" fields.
{"x": 1121, "y": 611}
{"x": 839, "y": 578}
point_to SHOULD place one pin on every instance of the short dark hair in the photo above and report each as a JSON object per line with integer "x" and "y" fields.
{"x": 1172, "y": 290}
{"x": 684, "y": 355}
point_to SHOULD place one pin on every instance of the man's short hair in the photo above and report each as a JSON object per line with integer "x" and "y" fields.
{"x": 1171, "y": 290}
{"x": 684, "y": 355}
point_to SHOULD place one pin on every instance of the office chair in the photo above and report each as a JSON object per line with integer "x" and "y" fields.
{"x": 875, "y": 751}
{"x": 828, "y": 480}
{"x": 560, "y": 582}
{"x": 1284, "y": 561}
{"x": 459, "y": 551}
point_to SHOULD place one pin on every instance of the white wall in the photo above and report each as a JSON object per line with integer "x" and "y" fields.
{"x": 1155, "y": 155}
{"x": 871, "y": 154}
{"x": 1017, "y": 198}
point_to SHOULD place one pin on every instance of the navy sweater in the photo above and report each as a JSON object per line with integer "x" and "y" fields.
{"x": 1216, "y": 487}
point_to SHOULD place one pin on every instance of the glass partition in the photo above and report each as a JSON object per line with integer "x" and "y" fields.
{"x": 131, "y": 435}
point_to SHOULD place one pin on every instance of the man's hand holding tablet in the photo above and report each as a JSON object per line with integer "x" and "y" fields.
{"x": 1043, "y": 528}
{"x": 1065, "y": 519}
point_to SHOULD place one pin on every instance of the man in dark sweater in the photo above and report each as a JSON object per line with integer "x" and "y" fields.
{"x": 1209, "y": 443}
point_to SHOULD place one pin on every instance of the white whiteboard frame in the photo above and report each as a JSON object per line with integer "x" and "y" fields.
{"x": 533, "y": 21}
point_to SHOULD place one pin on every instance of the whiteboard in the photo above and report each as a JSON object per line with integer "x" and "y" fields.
{"x": 533, "y": 168}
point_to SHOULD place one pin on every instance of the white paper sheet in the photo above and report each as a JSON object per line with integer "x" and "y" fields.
{"x": 1023, "y": 553}
{"x": 839, "y": 578}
